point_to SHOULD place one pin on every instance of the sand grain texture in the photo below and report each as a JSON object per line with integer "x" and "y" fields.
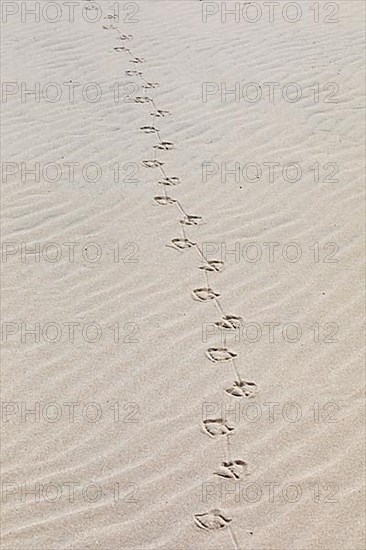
{"x": 165, "y": 458}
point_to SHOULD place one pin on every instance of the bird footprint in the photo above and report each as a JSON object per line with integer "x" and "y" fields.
{"x": 233, "y": 469}
{"x": 212, "y": 520}
{"x": 149, "y": 129}
{"x": 149, "y": 85}
{"x": 243, "y": 389}
{"x": 213, "y": 265}
{"x": 230, "y": 322}
{"x": 164, "y": 200}
{"x": 181, "y": 244}
{"x": 140, "y": 99}
{"x": 160, "y": 113}
{"x": 170, "y": 181}
{"x": 133, "y": 73}
{"x": 204, "y": 294}
{"x": 192, "y": 220}
{"x": 220, "y": 354}
{"x": 216, "y": 427}
{"x": 152, "y": 163}
{"x": 164, "y": 146}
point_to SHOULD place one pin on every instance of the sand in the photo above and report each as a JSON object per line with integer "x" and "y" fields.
{"x": 148, "y": 324}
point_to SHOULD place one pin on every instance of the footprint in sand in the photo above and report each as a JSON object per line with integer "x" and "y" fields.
{"x": 243, "y": 389}
{"x": 149, "y": 129}
{"x": 121, "y": 49}
{"x": 137, "y": 60}
{"x": 233, "y": 469}
{"x": 160, "y": 113}
{"x": 149, "y": 85}
{"x": 212, "y": 520}
{"x": 192, "y": 220}
{"x": 181, "y": 244}
{"x": 152, "y": 163}
{"x": 170, "y": 181}
{"x": 215, "y": 427}
{"x": 133, "y": 73}
{"x": 141, "y": 99}
{"x": 164, "y": 200}
{"x": 230, "y": 322}
{"x": 164, "y": 146}
{"x": 214, "y": 266}
{"x": 204, "y": 294}
{"x": 217, "y": 355}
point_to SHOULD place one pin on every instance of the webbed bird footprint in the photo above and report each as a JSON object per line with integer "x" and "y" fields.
{"x": 233, "y": 469}
{"x": 192, "y": 220}
{"x": 160, "y": 113}
{"x": 213, "y": 266}
{"x": 204, "y": 294}
{"x": 125, "y": 36}
{"x": 152, "y": 163}
{"x": 216, "y": 427}
{"x": 121, "y": 49}
{"x": 133, "y": 73}
{"x": 170, "y": 181}
{"x": 230, "y": 322}
{"x": 217, "y": 355}
{"x": 212, "y": 520}
{"x": 149, "y": 85}
{"x": 181, "y": 244}
{"x": 149, "y": 129}
{"x": 164, "y": 146}
{"x": 164, "y": 200}
{"x": 137, "y": 60}
{"x": 140, "y": 99}
{"x": 243, "y": 389}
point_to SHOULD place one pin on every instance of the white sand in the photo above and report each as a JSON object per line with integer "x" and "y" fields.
{"x": 158, "y": 450}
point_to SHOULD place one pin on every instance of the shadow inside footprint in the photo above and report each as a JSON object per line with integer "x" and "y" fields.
{"x": 214, "y": 266}
{"x": 204, "y": 294}
{"x": 152, "y": 163}
{"x": 141, "y": 99}
{"x": 217, "y": 355}
{"x": 233, "y": 469}
{"x": 160, "y": 113}
{"x": 230, "y": 322}
{"x": 215, "y": 427}
{"x": 149, "y": 129}
{"x": 133, "y": 73}
{"x": 192, "y": 220}
{"x": 212, "y": 520}
{"x": 164, "y": 146}
{"x": 149, "y": 85}
{"x": 164, "y": 200}
{"x": 243, "y": 389}
{"x": 181, "y": 244}
{"x": 169, "y": 182}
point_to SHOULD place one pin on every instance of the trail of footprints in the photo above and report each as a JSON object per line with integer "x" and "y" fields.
{"x": 234, "y": 469}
